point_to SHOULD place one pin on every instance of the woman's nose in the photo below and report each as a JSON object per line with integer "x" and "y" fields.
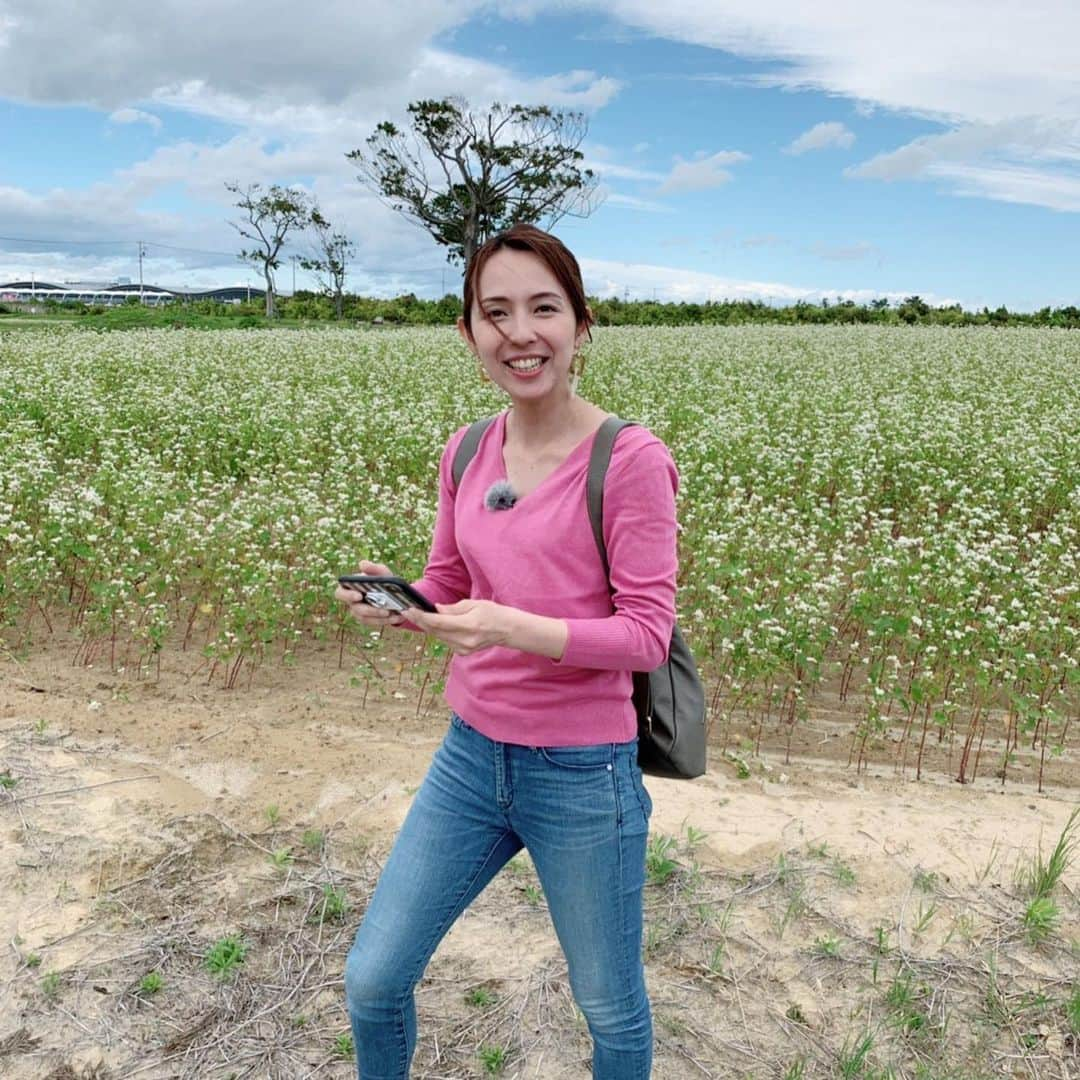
{"x": 521, "y": 329}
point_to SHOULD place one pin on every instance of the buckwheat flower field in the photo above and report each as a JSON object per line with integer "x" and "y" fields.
{"x": 203, "y": 761}
{"x": 889, "y": 514}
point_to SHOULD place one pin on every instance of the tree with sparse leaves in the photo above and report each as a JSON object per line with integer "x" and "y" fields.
{"x": 329, "y": 262}
{"x": 269, "y": 218}
{"x": 464, "y": 175}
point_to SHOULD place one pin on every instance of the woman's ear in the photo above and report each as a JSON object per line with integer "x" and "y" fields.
{"x": 467, "y": 337}
{"x": 583, "y": 330}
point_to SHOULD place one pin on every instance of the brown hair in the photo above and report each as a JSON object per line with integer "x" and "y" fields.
{"x": 555, "y": 254}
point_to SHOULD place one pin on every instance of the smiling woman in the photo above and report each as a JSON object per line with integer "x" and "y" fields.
{"x": 541, "y": 752}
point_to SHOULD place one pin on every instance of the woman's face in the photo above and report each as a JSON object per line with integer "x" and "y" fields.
{"x": 523, "y": 327}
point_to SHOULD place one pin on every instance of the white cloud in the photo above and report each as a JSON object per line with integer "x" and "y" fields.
{"x": 702, "y": 173}
{"x": 135, "y": 116}
{"x": 980, "y": 64}
{"x": 631, "y": 202}
{"x": 822, "y": 136}
{"x": 643, "y": 281}
{"x": 1015, "y": 184}
{"x": 1030, "y": 137}
{"x": 104, "y": 53}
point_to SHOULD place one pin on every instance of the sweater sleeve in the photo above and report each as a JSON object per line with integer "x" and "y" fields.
{"x": 446, "y": 577}
{"x": 640, "y": 536}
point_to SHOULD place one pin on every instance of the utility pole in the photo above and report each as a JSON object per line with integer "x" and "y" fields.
{"x": 142, "y": 252}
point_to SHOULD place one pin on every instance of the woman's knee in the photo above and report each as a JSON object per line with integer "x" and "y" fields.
{"x": 375, "y": 979}
{"x": 616, "y": 1014}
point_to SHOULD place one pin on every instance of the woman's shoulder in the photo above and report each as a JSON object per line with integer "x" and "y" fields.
{"x": 637, "y": 454}
{"x": 635, "y": 440}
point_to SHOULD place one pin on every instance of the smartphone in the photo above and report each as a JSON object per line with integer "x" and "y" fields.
{"x": 387, "y": 593}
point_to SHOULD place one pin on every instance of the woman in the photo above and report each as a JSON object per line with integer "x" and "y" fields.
{"x": 541, "y": 749}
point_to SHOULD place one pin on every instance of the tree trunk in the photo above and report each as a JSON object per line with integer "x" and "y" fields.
{"x": 468, "y": 240}
{"x": 269, "y": 293}
{"x": 338, "y": 304}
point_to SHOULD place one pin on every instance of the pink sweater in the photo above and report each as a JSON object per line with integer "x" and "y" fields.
{"x": 540, "y": 556}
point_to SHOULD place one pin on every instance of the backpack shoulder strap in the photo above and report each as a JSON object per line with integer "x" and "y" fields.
{"x": 466, "y": 450}
{"x": 594, "y": 486}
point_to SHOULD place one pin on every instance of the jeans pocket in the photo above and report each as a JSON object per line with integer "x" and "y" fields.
{"x": 589, "y": 758}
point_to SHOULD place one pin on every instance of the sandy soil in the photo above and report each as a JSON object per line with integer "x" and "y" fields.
{"x": 136, "y": 832}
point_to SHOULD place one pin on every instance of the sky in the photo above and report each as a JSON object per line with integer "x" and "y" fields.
{"x": 762, "y": 149}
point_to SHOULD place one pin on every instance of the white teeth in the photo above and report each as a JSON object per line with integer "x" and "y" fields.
{"x": 530, "y": 364}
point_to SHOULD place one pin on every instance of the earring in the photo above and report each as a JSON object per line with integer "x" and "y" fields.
{"x": 484, "y": 376}
{"x": 577, "y": 368}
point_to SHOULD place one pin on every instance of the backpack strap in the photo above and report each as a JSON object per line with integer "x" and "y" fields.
{"x": 466, "y": 450}
{"x": 594, "y": 485}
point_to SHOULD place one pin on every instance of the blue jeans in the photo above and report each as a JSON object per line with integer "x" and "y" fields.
{"x": 583, "y": 815}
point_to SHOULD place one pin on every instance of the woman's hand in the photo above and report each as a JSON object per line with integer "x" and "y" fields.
{"x": 466, "y": 626}
{"x": 365, "y": 613}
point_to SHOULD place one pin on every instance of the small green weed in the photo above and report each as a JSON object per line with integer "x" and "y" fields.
{"x": 226, "y": 954}
{"x": 796, "y": 1070}
{"x": 151, "y": 983}
{"x": 1040, "y": 919}
{"x": 50, "y": 985}
{"x": 742, "y": 770}
{"x": 33, "y": 960}
{"x": 796, "y": 1015}
{"x": 314, "y": 841}
{"x": 343, "y": 1046}
{"x": 1041, "y": 878}
{"x": 273, "y": 815}
{"x": 694, "y": 837}
{"x": 480, "y": 997}
{"x": 659, "y": 864}
{"x": 903, "y": 1000}
{"x": 1072, "y": 1010}
{"x": 533, "y": 895}
{"x": 334, "y": 906}
{"x": 843, "y": 873}
{"x": 852, "y": 1060}
{"x": 827, "y": 946}
{"x": 494, "y": 1059}
{"x": 926, "y": 881}
{"x": 7, "y": 781}
{"x": 795, "y": 910}
{"x": 716, "y": 960}
{"x": 924, "y": 918}
{"x": 280, "y": 859}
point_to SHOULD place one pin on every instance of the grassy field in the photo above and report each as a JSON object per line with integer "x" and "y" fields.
{"x": 892, "y": 516}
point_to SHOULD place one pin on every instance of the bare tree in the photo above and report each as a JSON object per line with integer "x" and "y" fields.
{"x": 466, "y": 175}
{"x": 329, "y": 261}
{"x": 270, "y": 216}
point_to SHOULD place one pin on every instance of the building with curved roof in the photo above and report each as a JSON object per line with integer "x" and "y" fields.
{"x": 35, "y": 292}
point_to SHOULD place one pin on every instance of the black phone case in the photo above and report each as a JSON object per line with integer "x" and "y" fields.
{"x": 387, "y": 593}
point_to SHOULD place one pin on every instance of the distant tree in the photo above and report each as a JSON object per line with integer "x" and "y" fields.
{"x": 269, "y": 217}
{"x": 465, "y": 175}
{"x": 330, "y": 260}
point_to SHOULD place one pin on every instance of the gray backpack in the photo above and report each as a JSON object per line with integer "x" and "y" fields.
{"x": 669, "y": 701}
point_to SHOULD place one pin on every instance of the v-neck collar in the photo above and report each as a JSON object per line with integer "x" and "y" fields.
{"x": 582, "y": 448}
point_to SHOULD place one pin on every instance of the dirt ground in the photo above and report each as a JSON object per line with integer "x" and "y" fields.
{"x": 142, "y": 820}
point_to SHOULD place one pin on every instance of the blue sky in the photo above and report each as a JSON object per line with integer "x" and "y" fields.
{"x": 763, "y": 149}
